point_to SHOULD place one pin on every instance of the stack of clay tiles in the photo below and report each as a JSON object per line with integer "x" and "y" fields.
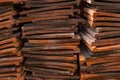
{"x": 100, "y": 57}
{"x": 50, "y": 28}
{"x": 10, "y": 44}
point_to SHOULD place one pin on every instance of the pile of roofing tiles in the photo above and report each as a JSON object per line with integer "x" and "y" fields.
{"x": 100, "y": 57}
{"x": 50, "y": 29}
{"x": 10, "y": 44}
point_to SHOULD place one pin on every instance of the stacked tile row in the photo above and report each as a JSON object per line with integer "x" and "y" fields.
{"x": 101, "y": 40}
{"x": 50, "y": 28}
{"x": 10, "y": 44}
